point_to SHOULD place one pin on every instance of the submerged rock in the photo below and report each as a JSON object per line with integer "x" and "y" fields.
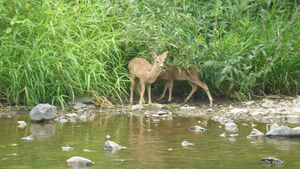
{"x": 272, "y": 161}
{"x": 43, "y": 112}
{"x": 197, "y": 129}
{"x": 283, "y": 131}
{"x": 255, "y": 134}
{"x": 79, "y": 162}
{"x": 111, "y": 146}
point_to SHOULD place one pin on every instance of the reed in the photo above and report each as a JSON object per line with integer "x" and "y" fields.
{"x": 51, "y": 50}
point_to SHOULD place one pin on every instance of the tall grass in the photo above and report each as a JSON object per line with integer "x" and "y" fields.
{"x": 52, "y": 51}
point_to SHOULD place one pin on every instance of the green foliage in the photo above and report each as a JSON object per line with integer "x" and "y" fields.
{"x": 52, "y": 50}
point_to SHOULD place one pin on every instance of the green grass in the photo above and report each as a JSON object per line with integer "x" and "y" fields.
{"x": 51, "y": 50}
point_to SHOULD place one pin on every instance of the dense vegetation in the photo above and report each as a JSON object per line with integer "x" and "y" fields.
{"x": 51, "y": 51}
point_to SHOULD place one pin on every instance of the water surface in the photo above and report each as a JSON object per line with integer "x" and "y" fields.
{"x": 149, "y": 144}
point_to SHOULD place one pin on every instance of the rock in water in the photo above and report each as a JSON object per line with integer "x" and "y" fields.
{"x": 255, "y": 134}
{"x": 197, "y": 129}
{"x": 79, "y": 162}
{"x": 43, "y": 112}
{"x": 283, "y": 131}
{"x": 272, "y": 161}
{"x": 111, "y": 146}
{"x": 185, "y": 143}
{"x": 230, "y": 126}
{"x": 67, "y": 148}
{"x": 21, "y": 124}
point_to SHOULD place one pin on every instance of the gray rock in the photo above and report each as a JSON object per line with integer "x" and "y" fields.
{"x": 230, "y": 126}
{"x": 239, "y": 110}
{"x": 79, "y": 162}
{"x": 197, "y": 129}
{"x": 43, "y": 112}
{"x": 255, "y": 134}
{"x": 111, "y": 146}
{"x": 272, "y": 161}
{"x": 78, "y": 106}
{"x": 83, "y": 118}
{"x": 72, "y": 117}
{"x": 283, "y": 131}
{"x": 267, "y": 103}
{"x": 295, "y": 119}
{"x": 268, "y": 119}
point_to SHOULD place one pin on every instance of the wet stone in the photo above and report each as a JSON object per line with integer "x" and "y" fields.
{"x": 272, "y": 161}
{"x": 185, "y": 143}
{"x": 21, "y": 124}
{"x": 78, "y": 106}
{"x": 111, "y": 146}
{"x": 283, "y": 131}
{"x": 197, "y": 129}
{"x": 43, "y": 112}
{"x": 79, "y": 162}
{"x": 230, "y": 126}
{"x": 255, "y": 134}
{"x": 295, "y": 119}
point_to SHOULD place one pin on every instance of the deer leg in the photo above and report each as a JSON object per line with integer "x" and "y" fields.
{"x": 194, "y": 89}
{"x": 170, "y": 85}
{"x": 205, "y": 88}
{"x": 142, "y": 93}
{"x": 149, "y": 93}
{"x": 132, "y": 79}
{"x": 164, "y": 92}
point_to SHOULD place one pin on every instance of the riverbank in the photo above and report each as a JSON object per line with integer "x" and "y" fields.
{"x": 266, "y": 110}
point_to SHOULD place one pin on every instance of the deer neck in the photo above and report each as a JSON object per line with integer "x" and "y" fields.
{"x": 154, "y": 73}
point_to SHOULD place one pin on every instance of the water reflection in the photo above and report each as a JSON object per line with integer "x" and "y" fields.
{"x": 42, "y": 131}
{"x": 284, "y": 143}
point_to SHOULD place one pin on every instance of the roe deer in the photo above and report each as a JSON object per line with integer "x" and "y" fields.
{"x": 146, "y": 73}
{"x": 190, "y": 75}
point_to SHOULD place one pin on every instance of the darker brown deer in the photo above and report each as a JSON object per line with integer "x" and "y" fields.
{"x": 146, "y": 73}
{"x": 190, "y": 75}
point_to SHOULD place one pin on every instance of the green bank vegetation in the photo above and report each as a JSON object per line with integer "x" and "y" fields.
{"x": 51, "y": 51}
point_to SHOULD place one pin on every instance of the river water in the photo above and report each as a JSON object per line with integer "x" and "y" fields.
{"x": 150, "y": 144}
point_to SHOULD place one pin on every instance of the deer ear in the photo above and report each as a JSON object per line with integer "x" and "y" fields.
{"x": 154, "y": 55}
{"x": 165, "y": 54}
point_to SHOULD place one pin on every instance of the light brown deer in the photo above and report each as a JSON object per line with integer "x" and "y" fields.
{"x": 146, "y": 74}
{"x": 190, "y": 75}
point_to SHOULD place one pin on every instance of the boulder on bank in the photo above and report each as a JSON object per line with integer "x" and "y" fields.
{"x": 283, "y": 131}
{"x": 43, "y": 112}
